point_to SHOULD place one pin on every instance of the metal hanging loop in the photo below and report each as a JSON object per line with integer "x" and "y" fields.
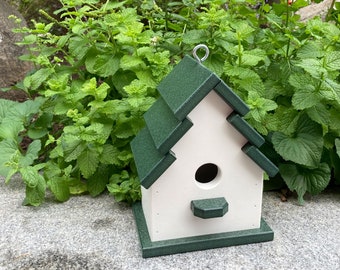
{"x": 194, "y": 52}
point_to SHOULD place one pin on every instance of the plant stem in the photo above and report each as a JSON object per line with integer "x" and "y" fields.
{"x": 239, "y": 52}
{"x": 330, "y": 9}
{"x": 287, "y": 15}
{"x": 286, "y": 26}
{"x": 288, "y": 47}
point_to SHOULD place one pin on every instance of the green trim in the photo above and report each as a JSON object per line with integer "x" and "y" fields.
{"x": 260, "y": 159}
{"x": 149, "y": 162}
{"x": 231, "y": 98}
{"x": 164, "y": 127}
{"x": 209, "y": 208}
{"x": 187, "y": 244}
{"x": 186, "y": 85}
{"x": 245, "y": 129}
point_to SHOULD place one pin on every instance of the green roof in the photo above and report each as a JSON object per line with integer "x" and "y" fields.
{"x": 166, "y": 120}
{"x": 164, "y": 127}
{"x": 150, "y": 163}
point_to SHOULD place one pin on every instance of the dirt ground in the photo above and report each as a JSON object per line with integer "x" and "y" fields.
{"x": 15, "y": 95}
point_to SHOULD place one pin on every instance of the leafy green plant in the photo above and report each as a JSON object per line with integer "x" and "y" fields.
{"x": 93, "y": 83}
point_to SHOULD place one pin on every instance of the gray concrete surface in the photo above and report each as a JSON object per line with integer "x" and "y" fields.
{"x": 88, "y": 233}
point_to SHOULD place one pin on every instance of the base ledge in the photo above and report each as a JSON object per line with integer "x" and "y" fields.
{"x": 195, "y": 243}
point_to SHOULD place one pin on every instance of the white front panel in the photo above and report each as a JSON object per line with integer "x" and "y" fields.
{"x": 212, "y": 139}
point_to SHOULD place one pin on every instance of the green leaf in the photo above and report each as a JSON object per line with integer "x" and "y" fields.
{"x": 113, "y": 5}
{"x": 330, "y": 90}
{"x": 310, "y": 50}
{"x": 305, "y": 95}
{"x": 77, "y": 186}
{"x": 96, "y": 184}
{"x": 303, "y": 179}
{"x": 72, "y": 147}
{"x": 259, "y": 106}
{"x": 215, "y": 63}
{"x": 305, "y": 98}
{"x": 245, "y": 78}
{"x": 243, "y": 29}
{"x": 9, "y": 150}
{"x": 301, "y": 81}
{"x": 299, "y": 4}
{"x": 313, "y": 66}
{"x": 128, "y": 128}
{"x": 125, "y": 156}
{"x": 109, "y": 155}
{"x": 335, "y": 161}
{"x": 334, "y": 119}
{"x": 304, "y": 146}
{"x": 103, "y": 65}
{"x": 136, "y": 88}
{"x": 10, "y": 129}
{"x": 59, "y": 188}
{"x": 32, "y": 154}
{"x": 22, "y": 112}
{"x": 30, "y": 176}
{"x": 92, "y": 132}
{"x": 195, "y": 36}
{"x": 5, "y": 106}
{"x": 90, "y": 88}
{"x": 122, "y": 78}
{"x": 35, "y": 195}
{"x": 78, "y": 46}
{"x": 319, "y": 113}
{"x": 253, "y": 57}
{"x": 88, "y": 161}
{"x": 146, "y": 77}
{"x": 286, "y": 118}
{"x": 124, "y": 187}
{"x": 337, "y": 145}
{"x": 332, "y": 60}
{"x": 52, "y": 170}
{"x": 130, "y": 62}
{"x": 101, "y": 91}
{"x": 58, "y": 84}
{"x": 37, "y": 133}
{"x": 37, "y": 78}
{"x": 28, "y": 40}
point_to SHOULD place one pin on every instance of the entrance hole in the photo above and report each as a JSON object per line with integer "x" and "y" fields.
{"x": 206, "y": 173}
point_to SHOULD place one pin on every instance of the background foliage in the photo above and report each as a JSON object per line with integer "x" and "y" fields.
{"x": 97, "y": 65}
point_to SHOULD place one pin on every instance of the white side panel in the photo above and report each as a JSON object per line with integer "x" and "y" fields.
{"x": 211, "y": 140}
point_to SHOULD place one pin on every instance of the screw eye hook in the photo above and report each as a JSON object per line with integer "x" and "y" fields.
{"x": 200, "y": 46}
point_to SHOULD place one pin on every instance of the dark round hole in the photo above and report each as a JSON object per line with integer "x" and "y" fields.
{"x": 206, "y": 173}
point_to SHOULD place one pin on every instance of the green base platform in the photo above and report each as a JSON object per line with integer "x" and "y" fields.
{"x": 180, "y": 245}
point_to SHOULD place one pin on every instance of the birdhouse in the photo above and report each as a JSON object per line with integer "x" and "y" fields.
{"x": 200, "y": 168}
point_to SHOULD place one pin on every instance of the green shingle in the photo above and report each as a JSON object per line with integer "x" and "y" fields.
{"x": 260, "y": 159}
{"x": 186, "y": 85}
{"x": 149, "y": 162}
{"x": 164, "y": 127}
{"x": 231, "y": 98}
{"x": 245, "y": 129}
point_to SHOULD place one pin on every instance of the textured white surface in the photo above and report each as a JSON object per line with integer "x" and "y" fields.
{"x": 86, "y": 233}
{"x": 211, "y": 139}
